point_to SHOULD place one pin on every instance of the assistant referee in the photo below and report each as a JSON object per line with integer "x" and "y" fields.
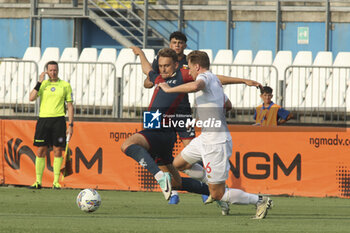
{"x": 51, "y": 127}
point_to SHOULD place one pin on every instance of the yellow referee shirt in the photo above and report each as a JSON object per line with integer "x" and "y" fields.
{"x": 53, "y": 96}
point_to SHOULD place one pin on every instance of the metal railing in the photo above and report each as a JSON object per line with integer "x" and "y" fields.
{"x": 314, "y": 94}
{"x": 16, "y": 76}
{"x": 317, "y": 94}
{"x": 94, "y": 85}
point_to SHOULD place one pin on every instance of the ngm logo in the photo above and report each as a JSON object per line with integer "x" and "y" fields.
{"x": 265, "y": 166}
{"x": 14, "y": 151}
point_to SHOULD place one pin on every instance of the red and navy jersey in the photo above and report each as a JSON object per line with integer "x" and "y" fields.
{"x": 170, "y": 103}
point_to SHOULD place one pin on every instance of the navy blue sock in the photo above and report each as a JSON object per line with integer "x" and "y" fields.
{"x": 194, "y": 186}
{"x": 142, "y": 156}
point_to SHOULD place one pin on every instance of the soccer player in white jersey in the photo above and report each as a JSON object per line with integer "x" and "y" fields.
{"x": 213, "y": 146}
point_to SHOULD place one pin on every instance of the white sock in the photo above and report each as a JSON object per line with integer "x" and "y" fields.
{"x": 197, "y": 172}
{"x": 174, "y": 193}
{"x": 159, "y": 175}
{"x": 237, "y": 196}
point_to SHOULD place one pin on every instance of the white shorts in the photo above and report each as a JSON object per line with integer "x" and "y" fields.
{"x": 215, "y": 158}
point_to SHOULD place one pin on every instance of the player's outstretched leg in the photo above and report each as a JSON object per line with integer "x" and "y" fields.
{"x": 237, "y": 196}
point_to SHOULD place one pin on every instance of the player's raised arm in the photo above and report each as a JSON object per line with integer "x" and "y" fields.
{"x": 184, "y": 88}
{"x": 230, "y": 80}
{"x": 146, "y": 66}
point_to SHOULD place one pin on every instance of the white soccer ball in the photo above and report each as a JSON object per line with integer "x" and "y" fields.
{"x": 88, "y": 200}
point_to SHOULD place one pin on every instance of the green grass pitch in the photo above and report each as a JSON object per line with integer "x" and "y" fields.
{"x": 46, "y": 210}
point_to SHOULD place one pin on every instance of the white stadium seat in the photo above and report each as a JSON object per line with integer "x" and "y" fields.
{"x": 241, "y": 69}
{"x": 69, "y": 54}
{"x": 135, "y": 95}
{"x": 187, "y": 51}
{"x": 315, "y": 88}
{"x": 282, "y": 60}
{"x": 209, "y": 52}
{"x": 124, "y": 70}
{"x": 338, "y": 95}
{"x": 50, "y": 54}
{"x": 32, "y": 54}
{"x": 83, "y": 76}
{"x": 223, "y": 57}
{"x": 295, "y": 80}
{"x": 103, "y": 85}
{"x": 66, "y": 69}
{"x": 260, "y": 72}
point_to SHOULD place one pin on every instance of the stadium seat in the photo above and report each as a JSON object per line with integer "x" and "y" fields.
{"x": 32, "y": 54}
{"x": 50, "y": 54}
{"x": 103, "y": 81}
{"x": 282, "y": 60}
{"x": 222, "y": 62}
{"x": 69, "y": 54}
{"x": 22, "y": 76}
{"x": 295, "y": 80}
{"x": 187, "y": 51}
{"x": 83, "y": 76}
{"x": 210, "y": 54}
{"x": 135, "y": 95}
{"x": 315, "y": 84}
{"x": 8, "y": 81}
{"x": 124, "y": 68}
{"x": 18, "y": 77}
{"x": 68, "y": 63}
{"x": 241, "y": 69}
{"x": 261, "y": 72}
{"x": 338, "y": 93}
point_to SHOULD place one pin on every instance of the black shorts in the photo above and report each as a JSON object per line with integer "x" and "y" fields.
{"x": 50, "y": 131}
{"x": 161, "y": 143}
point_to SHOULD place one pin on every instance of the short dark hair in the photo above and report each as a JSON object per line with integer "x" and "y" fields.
{"x": 266, "y": 89}
{"x": 168, "y": 52}
{"x": 199, "y": 57}
{"x": 178, "y": 35}
{"x": 51, "y": 63}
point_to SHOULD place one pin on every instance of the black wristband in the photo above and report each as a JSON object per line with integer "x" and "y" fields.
{"x": 37, "y": 86}
{"x": 71, "y": 124}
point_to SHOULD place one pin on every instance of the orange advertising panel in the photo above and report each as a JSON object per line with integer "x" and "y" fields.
{"x": 293, "y": 160}
{"x": 289, "y": 160}
{"x": 2, "y": 157}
